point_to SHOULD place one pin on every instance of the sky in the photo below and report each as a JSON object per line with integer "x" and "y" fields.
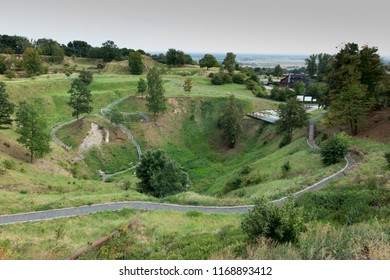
{"x": 206, "y": 26}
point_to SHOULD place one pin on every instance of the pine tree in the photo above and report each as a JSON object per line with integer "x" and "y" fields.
{"x": 156, "y": 101}
{"x": 6, "y": 107}
{"x": 32, "y": 127}
{"x": 80, "y": 98}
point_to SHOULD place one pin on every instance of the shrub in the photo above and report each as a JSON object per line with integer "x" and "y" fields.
{"x": 285, "y": 168}
{"x": 282, "y": 224}
{"x": 387, "y": 157}
{"x": 335, "y": 149}
{"x": 86, "y": 77}
{"x": 285, "y": 140}
{"x": 232, "y": 185}
{"x": 217, "y": 79}
{"x": 250, "y": 84}
{"x": 9, "y": 74}
{"x": 9, "y": 164}
{"x": 239, "y": 78}
{"x": 160, "y": 176}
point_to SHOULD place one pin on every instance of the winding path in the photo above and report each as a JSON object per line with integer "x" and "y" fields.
{"x": 153, "y": 206}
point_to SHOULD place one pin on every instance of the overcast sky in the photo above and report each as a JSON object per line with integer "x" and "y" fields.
{"x": 244, "y": 26}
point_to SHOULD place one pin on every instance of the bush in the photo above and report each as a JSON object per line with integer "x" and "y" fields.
{"x": 335, "y": 149}
{"x": 387, "y": 157}
{"x": 259, "y": 91}
{"x": 160, "y": 176}
{"x": 9, "y": 74}
{"x": 282, "y": 224}
{"x": 86, "y": 77}
{"x": 250, "y": 84}
{"x": 217, "y": 79}
{"x": 285, "y": 140}
{"x": 239, "y": 78}
{"x": 285, "y": 168}
{"x": 9, "y": 164}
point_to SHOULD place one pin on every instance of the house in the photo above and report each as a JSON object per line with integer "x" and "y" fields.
{"x": 291, "y": 79}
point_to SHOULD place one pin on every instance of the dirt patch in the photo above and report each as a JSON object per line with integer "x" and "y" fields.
{"x": 94, "y": 138}
{"x": 376, "y": 127}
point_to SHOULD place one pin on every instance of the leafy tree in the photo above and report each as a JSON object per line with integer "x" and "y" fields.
{"x": 77, "y": 48}
{"x": 324, "y": 66}
{"x": 335, "y": 149}
{"x": 229, "y": 63}
{"x": 208, "y": 61}
{"x": 160, "y": 176}
{"x": 115, "y": 116}
{"x": 282, "y": 94}
{"x": 109, "y": 51}
{"x": 156, "y": 101}
{"x": 230, "y": 121}
{"x": 142, "y": 86}
{"x": 86, "y": 77}
{"x": 32, "y": 127}
{"x": 175, "y": 57}
{"x": 135, "y": 63}
{"x": 311, "y": 65}
{"x": 6, "y": 107}
{"x": 187, "y": 85}
{"x": 300, "y": 88}
{"x": 278, "y": 71}
{"x": 282, "y": 224}
{"x": 32, "y": 62}
{"x": 291, "y": 115}
{"x": 3, "y": 64}
{"x": 80, "y": 98}
{"x": 349, "y": 106}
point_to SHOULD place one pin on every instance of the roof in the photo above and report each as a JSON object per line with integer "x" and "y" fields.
{"x": 270, "y": 116}
{"x": 291, "y": 79}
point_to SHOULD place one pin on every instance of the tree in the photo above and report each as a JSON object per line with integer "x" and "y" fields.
{"x": 32, "y": 62}
{"x": 32, "y": 127}
{"x": 187, "y": 85}
{"x": 3, "y": 64}
{"x": 175, "y": 57}
{"x": 291, "y": 115}
{"x": 208, "y": 61}
{"x": 80, "y": 98}
{"x": 142, "y": 86}
{"x": 109, "y": 51}
{"x": 372, "y": 72}
{"x": 335, "y": 149}
{"x": 156, "y": 101}
{"x": 349, "y": 106}
{"x": 311, "y": 66}
{"x": 324, "y": 66}
{"x": 229, "y": 62}
{"x": 115, "y": 116}
{"x": 230, "y": 121}
{"x": 278, "y": 71}
{"x": 300, "y": 88}
{"x": 6, "y": 107}
{"x": 160, "y": 176}
{"x": 86, "y": 77}
{"x": 135, "y": 63}
{"x": 282, "y": 224}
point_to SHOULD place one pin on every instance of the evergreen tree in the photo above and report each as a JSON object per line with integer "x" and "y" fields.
{"x": 230, "y": 121}
{"x": 156, "y": 101}
{"x": 80, "y": 98}
{"x": 32, "y": 127}
{"x": 6, "y": 107}
{"x": 135, "y": 63}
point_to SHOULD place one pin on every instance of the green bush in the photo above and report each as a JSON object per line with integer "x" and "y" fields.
{"x": 387, "y": 157}
{"x": 285, "y": 140}
{"x": 160, "y": 176}
{"x": 239, "y": 78}
{"x": 285, "y": 168}
{"x": 9, "y": 164}
{"x": 335, "y": 149}
{"x": 282, "y": 224}
{"x": 86, "y": 77}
